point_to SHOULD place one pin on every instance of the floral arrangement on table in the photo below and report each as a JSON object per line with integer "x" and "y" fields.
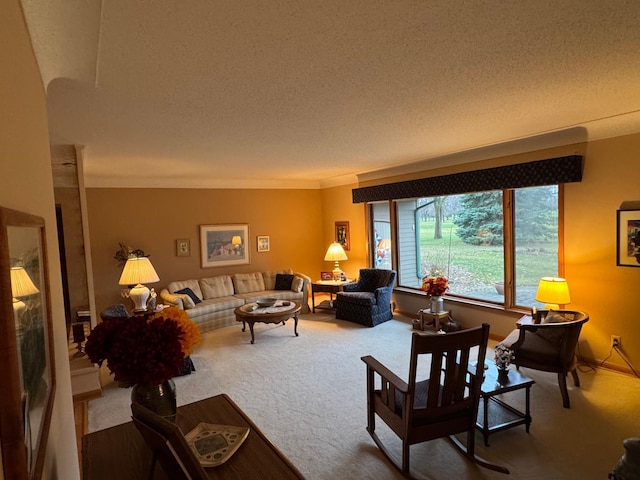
{"x": 144, "y": 349}
{"x": 502, "y": 356}
{"x": 435, "y": 286}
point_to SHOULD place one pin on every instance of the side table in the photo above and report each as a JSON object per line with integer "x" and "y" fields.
{"x": 494, "y": 414}
{"x": 431, "y": 320}
{"x": 326, "y": 286}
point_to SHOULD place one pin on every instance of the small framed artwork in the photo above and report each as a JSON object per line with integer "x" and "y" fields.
{"x": 628, "y": 238}
{"x": 263, "y": 243}
{"x": 222, "y": 245}
{"x": 183, "y": 247}
{"x": 342, "y": 234}
{"x": 326, "y": 275}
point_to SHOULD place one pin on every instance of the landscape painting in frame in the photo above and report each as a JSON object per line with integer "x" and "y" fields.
{"x": 629, "y": 238}
{"x": 223, "y": 245}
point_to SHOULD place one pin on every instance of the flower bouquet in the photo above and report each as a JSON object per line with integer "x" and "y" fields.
{"x": 502, "y": 356}
{"x": 144, "y": 349}
{"x": 435, "y": 286}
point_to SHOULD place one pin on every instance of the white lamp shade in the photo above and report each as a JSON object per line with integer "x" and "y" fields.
{"x": 553, "y": 291}
{"x": 335, "y": 253}
{"x": 236, "y": 240}
{"x": 21, "y": 283}
{"x": 138, "y": 270}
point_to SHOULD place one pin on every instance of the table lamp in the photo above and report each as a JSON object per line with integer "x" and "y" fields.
{"x": 553, "y": 292}
{"x": 21, "y": 286}
{"x": 136, "y": 271}
{"x": 335, "y": 253}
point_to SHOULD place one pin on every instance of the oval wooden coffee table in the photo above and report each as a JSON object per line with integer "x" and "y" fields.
{"x": 250, "y": 313}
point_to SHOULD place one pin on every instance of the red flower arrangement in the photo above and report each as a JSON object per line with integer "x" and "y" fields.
{"x": 144, "y": 349}
{"x": 435, "y": 286}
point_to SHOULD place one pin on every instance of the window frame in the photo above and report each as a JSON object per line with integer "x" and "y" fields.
{"x": 509, "y": 256}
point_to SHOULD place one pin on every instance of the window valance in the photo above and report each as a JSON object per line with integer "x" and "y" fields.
{"x": 530, "y": 174}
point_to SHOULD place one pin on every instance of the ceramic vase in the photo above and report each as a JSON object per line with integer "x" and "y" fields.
{"x": 503, "y": 372}
{"x": 160, "y": 399}
{"x": 437, "y": 305}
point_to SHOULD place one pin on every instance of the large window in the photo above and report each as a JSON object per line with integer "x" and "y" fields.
{"x": 536, "y": 240}
{"x": 480, "y": 241}
{"x": 381, "y": 235}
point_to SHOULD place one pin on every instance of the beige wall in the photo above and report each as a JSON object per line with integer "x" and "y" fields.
{"x": 608, "y": 292}
{"x": 153, "y": 219}
{"x": 27, "y": 186}
{"x": 338, "y": 207}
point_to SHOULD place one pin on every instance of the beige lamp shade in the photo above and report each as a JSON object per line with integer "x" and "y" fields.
{"x": 236, "y": 240}
{"x": 137, "y": 271}
{"x": 335, "y": 253}
{"x": 553, "y": 292}
{"x": 21, "y": 283}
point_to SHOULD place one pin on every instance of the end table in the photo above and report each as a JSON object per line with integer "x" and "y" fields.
{"x": 326, "y": 286}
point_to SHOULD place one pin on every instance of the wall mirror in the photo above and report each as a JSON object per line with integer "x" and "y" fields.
{"x": 27, "y": 371}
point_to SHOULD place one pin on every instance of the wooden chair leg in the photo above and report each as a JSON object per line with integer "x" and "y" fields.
{"x": 405, "y": 457}
{"x": 562, "y": 382}
{"x": 576, "y": 380}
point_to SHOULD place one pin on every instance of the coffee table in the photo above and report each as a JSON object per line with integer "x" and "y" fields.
{"x": 250, "y": 313}
{"x": 494, "y": 414}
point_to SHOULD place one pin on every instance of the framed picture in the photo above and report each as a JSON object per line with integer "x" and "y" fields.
{"x": 222, "y": 245}
{"x": 628, "y": 238}
{"x": 27, "y": 368}
{"x": 183, "y": 247}
{"x": 263, "y": 243}
{"x": 326, "y": 275}
{"x": 342, "y": 234}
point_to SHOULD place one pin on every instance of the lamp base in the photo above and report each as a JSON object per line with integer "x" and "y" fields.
{"x": 337, "y": 273}
{"x": 139, "y": 296}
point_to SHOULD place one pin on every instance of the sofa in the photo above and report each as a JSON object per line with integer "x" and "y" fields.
{"x": 210, "y": 301}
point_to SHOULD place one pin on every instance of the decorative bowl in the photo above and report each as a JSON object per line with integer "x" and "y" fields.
{"x": 266, "y": 302}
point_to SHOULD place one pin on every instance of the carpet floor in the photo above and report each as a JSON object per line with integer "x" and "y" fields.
{"x": 307, "y": 394}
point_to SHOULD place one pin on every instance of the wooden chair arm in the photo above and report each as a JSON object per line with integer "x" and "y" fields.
{"x": 385, "y": 373}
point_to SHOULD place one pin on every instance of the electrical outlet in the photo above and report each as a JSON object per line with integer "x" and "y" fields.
{"x": 616, "y": 341}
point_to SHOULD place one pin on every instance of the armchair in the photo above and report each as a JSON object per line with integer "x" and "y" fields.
{"x": 368, "y": 301}
{"x": 549, "y": 346}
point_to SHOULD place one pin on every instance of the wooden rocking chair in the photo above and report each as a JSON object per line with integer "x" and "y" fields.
{"x": 443, "y": 405}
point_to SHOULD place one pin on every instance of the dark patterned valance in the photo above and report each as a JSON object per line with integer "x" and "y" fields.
{"x": 531, "y": 174}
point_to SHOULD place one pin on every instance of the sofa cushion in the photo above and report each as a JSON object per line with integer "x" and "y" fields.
{"x": 554, "y": 317}
{"x": 173, "y": 287}
{"x": 214, "y": 305}
{"x": 189, "y": 292}
{"x": 269, "y": 277}
{"x": 248, "y": 282}
{"x": 359, "y": 298}
{"x": 216, "y": 287}
{"x": 283, "y": 281}
{"x": 553, "y": 335}
{"x": 297, "y": 284}
{"x": 187, "y": 302}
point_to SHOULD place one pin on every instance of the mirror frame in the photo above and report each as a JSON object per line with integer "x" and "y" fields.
{"x": 17, "y": 463}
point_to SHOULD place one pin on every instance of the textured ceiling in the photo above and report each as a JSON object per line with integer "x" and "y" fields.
{"x": 312, "y": 93}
